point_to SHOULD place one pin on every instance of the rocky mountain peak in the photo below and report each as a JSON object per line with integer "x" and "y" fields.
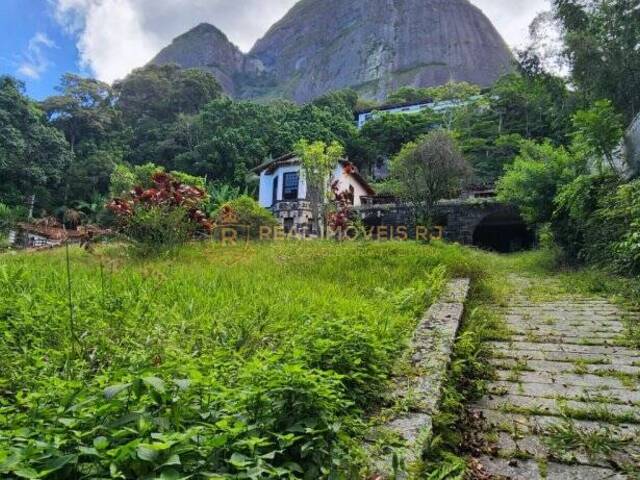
{"x": 208, "y": 48}
{"x": 373, "y": 46}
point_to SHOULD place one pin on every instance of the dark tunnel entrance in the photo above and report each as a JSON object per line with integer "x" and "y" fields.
{"x": 503, "y": 232}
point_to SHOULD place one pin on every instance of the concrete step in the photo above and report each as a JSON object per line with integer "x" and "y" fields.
{"x": 564, "y": 379}
{"x": 517, "y": 347}
{"x": 536, "y": 447}
{"x": 527, "y": 405}
{"x": 495, "y": 420}
{"x": 564, "y": 330}
{"x": 533, "y": 470}
{"x": 587, "y": 339}
{"x": 545, "y": 320}
{"x": 608, "y": 359}
{"x": 566, "y": 367}
{"x": 546, "y": 390}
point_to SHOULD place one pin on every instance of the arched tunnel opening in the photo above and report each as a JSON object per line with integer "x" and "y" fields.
{"x": 503, "y": 232}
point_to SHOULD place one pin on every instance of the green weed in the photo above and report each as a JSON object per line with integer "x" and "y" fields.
{"x": 254, "y": 361}
{"x": 566, "y": 438}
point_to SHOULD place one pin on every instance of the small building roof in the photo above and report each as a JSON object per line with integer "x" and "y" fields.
{"x": 58, "y": 233}
{"x": 273, "y": 163}
{"x": 292, "y": 159}
{"x": 393, "y": 106}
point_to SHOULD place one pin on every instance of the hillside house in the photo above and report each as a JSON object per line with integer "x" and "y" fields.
{"x": 283, "y": 190}
{"x": 380, "y": 170}
{"x": 367, "y": 115}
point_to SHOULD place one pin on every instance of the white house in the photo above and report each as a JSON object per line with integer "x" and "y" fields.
{"x": 365, "y": 116}
{"x": 283, "y": 190}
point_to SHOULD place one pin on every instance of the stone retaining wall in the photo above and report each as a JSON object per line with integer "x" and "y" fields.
{"x": 459, "y": 218}
{"x": 431, "y": 351}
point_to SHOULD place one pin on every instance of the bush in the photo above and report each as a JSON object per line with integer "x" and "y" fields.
{"x": 303, "y": 404}
{"x": 357, "y": 354}
{"x": 624, "y": 208}
{"x": 535, "y": 178}
{"x": 9, "y": 215}
{"x": 279, "y": 421}
{"x": 124, "y": 178}
{"x": 156, "y": 229}
{"x": 161, "y": 217}
{"x": 246, "y": 215}
{"x": 429, "y": 170}
{"x": 597, "y": 220}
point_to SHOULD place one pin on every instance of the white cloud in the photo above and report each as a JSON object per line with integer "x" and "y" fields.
{"x": 513, "y": 17}
{"x": 115, "y": 36}
{"x": 34, "y": 62}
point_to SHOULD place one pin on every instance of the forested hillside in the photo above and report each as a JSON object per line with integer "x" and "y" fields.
{"x": 180, "y": 120}
{"x": 66, "y": 151}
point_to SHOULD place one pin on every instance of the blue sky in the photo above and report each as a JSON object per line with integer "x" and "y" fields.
{"x": 52, "y": 51}
{"x": 42, "y": 39}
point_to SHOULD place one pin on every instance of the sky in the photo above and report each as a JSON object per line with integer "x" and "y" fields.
{"x": 42, "y": 39}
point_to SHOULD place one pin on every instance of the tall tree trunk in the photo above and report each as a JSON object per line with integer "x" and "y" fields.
{"x": 318, "y": 212}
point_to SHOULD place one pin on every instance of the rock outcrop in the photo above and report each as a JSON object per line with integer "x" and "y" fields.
{"x": 373, "y": 46}
{"x": 207, "y": 48}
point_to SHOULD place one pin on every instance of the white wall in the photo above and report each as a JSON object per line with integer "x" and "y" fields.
{"x": 266, "y": 190}
{"x": 344, "y": 181}
{"x": 437, "y": 107}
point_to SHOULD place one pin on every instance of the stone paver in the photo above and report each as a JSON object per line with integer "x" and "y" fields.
{"x": 608, "y": 359}
{"x": 565, "y": 400}
{"x": 550, "y": 366}
{"x": 528, "y": 469}
{"x": 563, "y": 379}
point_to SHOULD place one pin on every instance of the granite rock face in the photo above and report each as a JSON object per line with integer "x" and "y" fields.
{"x": 207, "y": 48}
{"x": 373, "y": 46}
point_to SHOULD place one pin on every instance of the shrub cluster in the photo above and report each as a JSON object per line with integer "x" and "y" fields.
{"x": 246, "y": 216}
{"x": 597, "y": 220}
{"x": 163, "y": 216}
{"x": 579, "y": 191}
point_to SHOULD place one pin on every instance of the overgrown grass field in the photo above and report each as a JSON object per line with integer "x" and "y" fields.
{"x": 256, "y": 361}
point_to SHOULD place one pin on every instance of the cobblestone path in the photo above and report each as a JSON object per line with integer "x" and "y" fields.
{"x": 565, "y": 403}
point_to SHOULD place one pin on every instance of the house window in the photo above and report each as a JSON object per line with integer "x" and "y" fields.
{"x": 274, "y": 200}
{"x": 290, "y": 186}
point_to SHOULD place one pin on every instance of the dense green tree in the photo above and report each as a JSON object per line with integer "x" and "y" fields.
{"x": 33, "y": 154}
{"x": 535, "y": 106}
{"x": 536, "y": 176}
{"x": 431, "y": 169}
{"x": 601, "y": 44}
{"x": 164, "y": 92}
{"x": 384, "y": 136}
{"x": 341, "y": 102}
{"x": 598, "y": 131}
{"x": 158, "y": 104}
{"x": 529, "y": 104}
{"x": 231, "y": 138}
{"x": 83, "y": 110}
